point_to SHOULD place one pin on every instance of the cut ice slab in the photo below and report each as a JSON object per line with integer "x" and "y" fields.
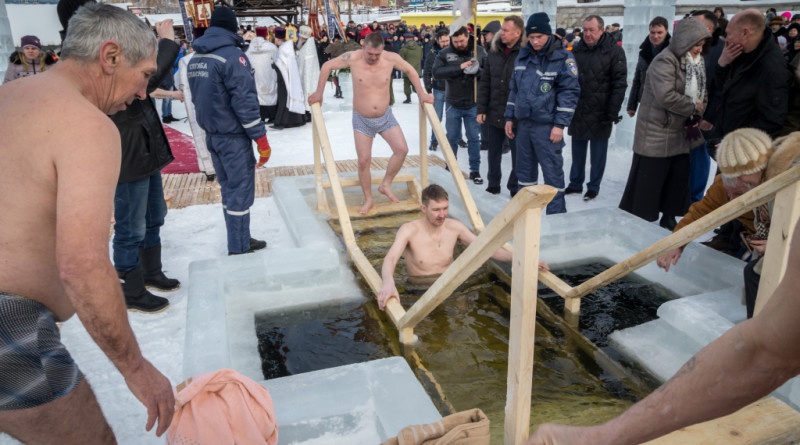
{"x": 365, "y": 403}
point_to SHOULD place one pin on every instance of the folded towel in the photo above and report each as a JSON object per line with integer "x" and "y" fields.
{"x": 464, "y": 428}
{"x": 222, "y": 408}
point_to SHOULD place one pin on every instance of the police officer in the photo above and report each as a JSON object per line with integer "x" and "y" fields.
{"x": 544, "y": 93}
{"x": 224, "y": 91}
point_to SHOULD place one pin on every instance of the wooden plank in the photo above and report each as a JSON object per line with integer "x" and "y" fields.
{"x": 785, "y": 213}
{"x": 401, "y": 177}
{"x": 767, "y": 421}
{"x": 754, "y": 198}
{"x": 322, "y": 198}
{"x": 485, "y": 245}
{"x": 466, "y": 197}
{"x": 524, "y": 279}
{"x": 423, "y": 149}
{"x": 383, "y": 208}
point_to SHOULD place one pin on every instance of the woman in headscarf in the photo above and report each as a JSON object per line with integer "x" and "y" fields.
{"x": 672, "y": 103}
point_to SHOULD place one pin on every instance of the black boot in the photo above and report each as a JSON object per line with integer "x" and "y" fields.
{"x": 668, "y": 222}
{"x": 150, "y": 259}
{"x": 255, "y": 244}
{"x": 137, "y": 298}
{"x": 408, "y": 99}
{"x": 338, "y": 94}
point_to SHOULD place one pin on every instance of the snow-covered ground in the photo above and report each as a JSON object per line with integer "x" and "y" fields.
{"x": 198, "y": 232}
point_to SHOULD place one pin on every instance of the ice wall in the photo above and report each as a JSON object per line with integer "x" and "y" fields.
{"x": 638, "y": 14}
{"x": 6, "y": 41}
{"x": 531, "y": 6}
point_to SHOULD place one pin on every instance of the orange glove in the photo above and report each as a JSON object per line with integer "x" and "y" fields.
{"x": 264, "y": 150}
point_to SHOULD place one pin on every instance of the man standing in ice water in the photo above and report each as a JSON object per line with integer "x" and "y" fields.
{"x": 371, "y": 70}
{"x": 56, "y": 204}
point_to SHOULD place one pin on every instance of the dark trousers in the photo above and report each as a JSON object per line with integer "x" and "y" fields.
{"x": 496, "y": 138}
{"x": 700, "y": 162}
{"x": 577, "y": 173}
{"x": 139, "y": 212}
{"x": 234, "y": 163}
{"x": 751, "y": 282}
{"x": 534, "y": 148}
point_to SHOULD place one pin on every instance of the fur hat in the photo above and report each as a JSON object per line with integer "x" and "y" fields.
{"x": 224, "y": 17}
{"x": 280, "y": 33}
{"x": 305, "y": 32}
{"x": 538, "y": 23}
{"x": 30, "y": 41}
{"x": 786, "y": 155}
{"x": 743, "y": 152}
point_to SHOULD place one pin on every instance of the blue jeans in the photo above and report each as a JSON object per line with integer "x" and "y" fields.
{"x": 577, "y": 173}
{"x": 438, "y": 105}
{"x": 234, "y": 163}
{"x": 453, "y": 125}
{"x": 495, "y": 138}
{"x": 699, "y": 163}
{"x": 166, "y": 105}
{"x": 139, "y": 211}
{"x": 534, "y": 148}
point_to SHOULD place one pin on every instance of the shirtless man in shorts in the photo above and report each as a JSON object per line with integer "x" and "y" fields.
{"x": 428, "y": 243}
{"x": 61, "y": 161}
{"x": 371, "y": 70}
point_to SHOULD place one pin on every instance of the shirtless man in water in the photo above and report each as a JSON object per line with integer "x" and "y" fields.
{"x": 428, "y": 243}
{"x": 371, "y": 70}
{"x": 56, "y": 204}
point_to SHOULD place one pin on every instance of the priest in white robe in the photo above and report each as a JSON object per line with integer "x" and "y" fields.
{"x": 291, "y": 111}
{"x": 308, "y": 64}
{"x": 262, "y": 54}
{"x": 198, "y": 134}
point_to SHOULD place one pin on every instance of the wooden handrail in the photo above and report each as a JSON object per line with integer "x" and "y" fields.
{"x": 485, "y": 245}
{"x": 754, "y": 198}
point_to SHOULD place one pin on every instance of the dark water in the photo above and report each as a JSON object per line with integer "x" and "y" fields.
{"x": 464, "y": 342}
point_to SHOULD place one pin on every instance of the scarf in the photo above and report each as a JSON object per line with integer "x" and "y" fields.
{"x": 695, "y": 78}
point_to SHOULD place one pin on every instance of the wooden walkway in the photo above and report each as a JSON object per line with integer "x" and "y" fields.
{"x": 183, "y": 190}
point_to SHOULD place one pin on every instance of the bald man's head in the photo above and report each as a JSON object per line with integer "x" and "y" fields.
{"x": 746, "y": 28}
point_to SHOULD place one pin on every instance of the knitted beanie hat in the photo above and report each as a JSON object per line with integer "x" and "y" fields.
{"x": 224, "y": 17}
{"x": 538, "y": 23}
{"x": 30, "y": 41}
{"x": 743, "y": 152}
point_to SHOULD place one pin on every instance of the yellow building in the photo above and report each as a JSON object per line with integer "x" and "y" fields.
{"x": 433, "y": 18}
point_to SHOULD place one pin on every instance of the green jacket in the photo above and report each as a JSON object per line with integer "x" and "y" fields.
{"x": 411, "y": 52}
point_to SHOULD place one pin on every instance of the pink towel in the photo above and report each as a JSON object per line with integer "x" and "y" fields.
{"x": 222, "y": 408}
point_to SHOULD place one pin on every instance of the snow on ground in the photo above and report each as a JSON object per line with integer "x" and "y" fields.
{"x": 198, "y": 232}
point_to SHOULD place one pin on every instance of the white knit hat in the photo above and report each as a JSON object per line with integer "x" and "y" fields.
{"x": 744, "y": 151}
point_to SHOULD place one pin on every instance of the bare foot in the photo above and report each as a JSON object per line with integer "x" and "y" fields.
{"x": 168, "y": 197}
{"x": 387, "y": 190}
{"x": 367, "y": 205}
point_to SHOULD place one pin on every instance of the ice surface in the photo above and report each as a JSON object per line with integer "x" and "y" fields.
{"x": 364, "y": 403}
{"x": 6, "y": 39}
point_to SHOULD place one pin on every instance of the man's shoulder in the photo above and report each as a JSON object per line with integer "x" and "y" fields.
{"x": 454, "y": 225}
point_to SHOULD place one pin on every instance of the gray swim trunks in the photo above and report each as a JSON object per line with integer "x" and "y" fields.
{"x": 35, "y": 367}
{"x": 375, "y": 125}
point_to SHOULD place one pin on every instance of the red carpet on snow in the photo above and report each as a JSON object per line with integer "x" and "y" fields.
{"x": 183, "y": 149}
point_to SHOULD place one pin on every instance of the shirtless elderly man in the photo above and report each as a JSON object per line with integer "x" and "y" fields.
{"x": 371, "y": 71}
{"x": 428, "y": 243}
{"x": 54, "y": 262}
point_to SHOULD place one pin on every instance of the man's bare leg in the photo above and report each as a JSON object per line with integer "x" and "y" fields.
{"x": 364, "y": 153}
{"x": 397, "y": 142}
{"x": 75, "y": 418}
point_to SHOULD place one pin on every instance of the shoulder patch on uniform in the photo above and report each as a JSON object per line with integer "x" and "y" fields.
{"x": 243, "y": 61}
{"x": 572, "y": 66}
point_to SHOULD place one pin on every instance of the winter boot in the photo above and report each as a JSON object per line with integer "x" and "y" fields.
{"x": 150, "y": 260}
{"x": 408, "y": 99}
{"x": 338, "y": 94}
{"x": 137, "y": 298}
{"x": 255, "y": 244}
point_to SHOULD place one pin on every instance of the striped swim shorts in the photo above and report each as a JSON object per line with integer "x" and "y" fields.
{"x": 35, "y": 367}
{"x": 371, "y": 126}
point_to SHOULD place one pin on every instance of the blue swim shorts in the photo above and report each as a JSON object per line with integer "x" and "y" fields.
{"x": 35, "y": 367}
{"x": 374, "y": 125}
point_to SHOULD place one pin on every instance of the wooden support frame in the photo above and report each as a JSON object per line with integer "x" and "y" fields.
{"x": 754, "y": 198}
{"x": 785, "y": 214}
{"x": 524, "y": 279}
{"x": 423, "y": 148}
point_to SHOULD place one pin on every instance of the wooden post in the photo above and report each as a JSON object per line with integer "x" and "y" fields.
{"x": 524, "y": 279}
{"x": 466, "y": 197}
{"x": 754, "y": 198}
{"x": 572, "y": 307}
{"x": 485, "y": 245}
{"x": 322, "y": 198}
{"x": 785, "y": 213}
{"x": 423, "y": 148}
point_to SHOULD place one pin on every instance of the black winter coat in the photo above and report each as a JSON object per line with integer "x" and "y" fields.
{"x": 603, "y": 79}
{"x": 427, "y": 71}
{"x": 754, "y": 90}
{"x": 460, "y": 90}
{"x": 493, "y": 88}
{"x": 647, "y": 52}
{"x": 145, "y": 149}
